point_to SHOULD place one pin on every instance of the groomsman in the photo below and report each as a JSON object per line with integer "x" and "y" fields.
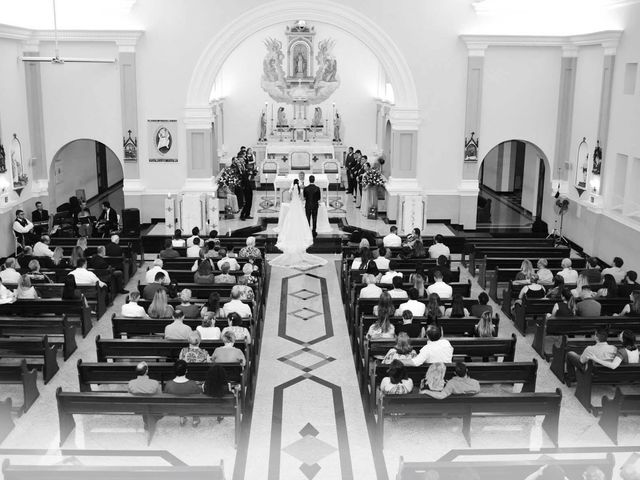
{"x": 355, "y": 172}
{"x": 247, "y": 173}
{"x": 348, "y": 162}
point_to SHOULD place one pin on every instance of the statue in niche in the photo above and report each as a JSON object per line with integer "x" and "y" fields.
{"x": 282, "y": 118}
{"x": 263, "y": 127}
{"x": 471, "y": 149}
{"x": 17, "y": 171}
{"x": 317, "y": 118}
{"x": 3, "y": 160}
{"x": 597, "y": 159}
{"x": 301, "y": 64}
{"x": 336, "y": 128}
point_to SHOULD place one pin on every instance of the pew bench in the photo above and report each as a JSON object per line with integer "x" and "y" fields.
{"x": 21, "y": 375}
{"x": 596, "y": 374}
{"x": 577, "y": 345}
{"x": 151, "y": 408}
{"x": 73, "y": 309}
{"x": 128, "y": 327}
{"x": 466, "y": 407}
{"x": 59, "y": 330}
{"x": 37, "y": 349}
{"x": 612, "y": 408}
{"x": 6, "y": 418}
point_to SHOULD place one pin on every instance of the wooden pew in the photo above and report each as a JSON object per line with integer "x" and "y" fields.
{"x": 155, "y": 243}
{"x": 21, "y": 375}
{"x": 82, "y": 472}
{"x": 59, "y": 330}
{"x": 580, "y": 326}
{"x": 513, "y": 290}
{"x": 185, "y": 263}
{"x": 134, "y": 244}
{"x": 496, "y": 270}
{"x": 485, "y": 372}
{"x": 6, "y": 418}
{"x": 452, "y": 327}
{"x": 577, "y": 345}
{"x": 128, "y": 327}
{"x": 613, "y": 408}
{"x": 152, "y": 408}
{"x": 174, "y": 302}
{"x": 465, "y": 407}
{"x": 595, "y": 374}
{"x": 480, "y": 253}
{"x": 503, "y": 469}
{"x": 34, "y": 349}
{"x": 51, "y": 306}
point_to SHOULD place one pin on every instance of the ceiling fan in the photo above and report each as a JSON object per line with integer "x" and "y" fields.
{"x": 56, "y": 59}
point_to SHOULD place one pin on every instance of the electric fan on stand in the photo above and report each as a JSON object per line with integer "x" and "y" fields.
{"x": 560, "y": 207}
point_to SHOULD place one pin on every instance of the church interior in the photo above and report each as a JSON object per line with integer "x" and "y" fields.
{"x": 451, "y": 182}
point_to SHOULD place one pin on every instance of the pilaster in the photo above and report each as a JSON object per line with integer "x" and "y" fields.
{"x": 568, "y": 65}
{"x": 129, "y": 106}
{"x": 475, "y": 74}
{"x": 33, "y": 82}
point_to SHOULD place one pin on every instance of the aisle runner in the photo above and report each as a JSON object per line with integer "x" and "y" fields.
{"x": 308, "y": 421}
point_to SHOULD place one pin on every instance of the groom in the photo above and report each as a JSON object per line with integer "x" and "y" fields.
{"x": 312, "y": 198}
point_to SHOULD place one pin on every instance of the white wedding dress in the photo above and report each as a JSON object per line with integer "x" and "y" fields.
{"x": 294, "y": 237}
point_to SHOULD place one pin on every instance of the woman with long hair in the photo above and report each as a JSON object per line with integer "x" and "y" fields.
{"x": 580, "y": 282}
{"x": 526, "y": 270}
{"x": 434, "y": 378}
{"x": 25, "y": 289}
{"x": 402, "y": 351}
{"x": 485, "y": 328}
{"x": 212, "y": 306}
{"x": 565, "y": 307}
{"x": 204, "y": 273}
{"x": 609, "y": 287}
{"x": 362, "y": 261}
{"x": 216, "y": 383}
{"x": 373, "y": 270}
{"x": 383, "y": 328}
{"x": 417, "y": 250}
{"x": 533, "y": 290}
{"x": 418, "y": 283}
{"x": 58, "y": 259}
{"x": 82, "y": 242}
{"x": 397, "y": 382}
{"x": 159, "y": 307}
{"x": 555, "y": 293}
{"x": 434, "y": 310}
{"x": 70, "y": 289}
{"x": 457, "y": 309}
{"x": 632, "y": 309}
{"x": 76, "y": 254}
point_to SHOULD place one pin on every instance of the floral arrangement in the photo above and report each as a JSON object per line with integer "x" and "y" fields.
{"x": 228, "y": 178}
{"x": 372, "y": 177}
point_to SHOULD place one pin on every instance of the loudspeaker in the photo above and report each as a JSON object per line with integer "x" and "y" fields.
{"x": 130, "y": 222}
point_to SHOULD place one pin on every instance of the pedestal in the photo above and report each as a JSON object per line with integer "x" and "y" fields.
{"x": 413, "y": 213}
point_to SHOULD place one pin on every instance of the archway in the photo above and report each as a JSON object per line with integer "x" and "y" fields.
{"x": 512, "y": 179}
{"x": 86, "y": 167}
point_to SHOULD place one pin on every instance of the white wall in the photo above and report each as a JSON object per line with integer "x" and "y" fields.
{"x": 75, "y": 168}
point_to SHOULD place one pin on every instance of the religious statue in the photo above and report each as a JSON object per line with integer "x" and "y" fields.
{"x": 16, "y": 162}
{"x": 597, "y": 159}
{"x": 471, "y": 149}
{"x": 317, "y": 118}
{"x": 282, "y": 118}
{"x": 300, "y": 64}
{"x": 263, "y": 127}
{"x": 3, "y": 160}
{"x": 336, "y": 128}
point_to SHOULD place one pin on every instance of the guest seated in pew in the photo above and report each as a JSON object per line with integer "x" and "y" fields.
{"x": 150, "y": 290}
{"x": 248, "y": 277}
{"x": 407, "y": 325}
{"x": 592, "y": 271}
{"x": 25, "y": 257}
{"x": 385, "y": 305}
{"x": 250, "y": 250}
{"x": 132, "y": 309}
{"x": 362, "y": 261}
{"x": 236, "y": 327}
{"x": 628, "y": 285}
{"x": 77, "y": 252}
{"x": 176, "y": 330}
{"x": 234, "y": 266}
{"x": 412, "y": 238}
{"x": 397, "y": 383}
{"x": 25, "y": 290}
{"x": 568, "y": 273}
{"x": 581, "y": 282}
{"x": 617, "y": 270}
{"x": 609, "y": 287}
{"x": 442, "y": 266}
{"x": 168, "y": 251}
{"x": 177, "y": 240}
{"x": 434, "y": 378}
{"x": 189, "y": 309}
{"x": 566, "y": 307}
{"x": 159, "y": 307}
{"x": 588, "y": 306}
{"x": 555, "y": 293}
{"x": 150, "y": 276}
{"x": 371, "y": 290}
{"x": 413, "y": 305}
{"x": 485, "y": 328}
{"x": 443, "y": 290}
{"x": 381, "y": 258}
{"x": 461, "y": 384}
{"x": 388, "y": 277}
{"x": 35, "y": 275}
{"x": 193, "y": 353}
{"x": 437, "y": 349}
{"x": 439, "y": 248}
{"x": 397, "y": 291}
{"x": 173, "y": 290}
{"x": 212, "y": 306}
{"x": 113, "y": 248}
{"x": 544, "y": 274}
{"x": 434, "y": 310}
{"x": 482, "y": 306}
{"x": 457, "y": 309}
{"x": 372, "y": 269}
{"x": 98, "y": 262}
{"x": 58, "y": 260}
{"x": 418, "y": 283}
{"x": 84, "y": 276}
{"x": 82, "y": 242}
{"x": 228, "y": 353}
{"x": 392, "y": 239}
{"x": 224, "y": 277}
{"x": 181, "y": 385}
{"x": 195, "y": 232}
{"x": 402, "y": 351}
{"x": 627, "y": 353}
{"x": 216, "y": 383}
{"x": 246, "y": 292}
{"x": 9, "y": 274}
{"x": 533, "y": 289}
{"x": 235, "y": 305}
{"x": 142, "y": 384}
{"x": 204, "y": 273}
{"x": 632, "y": 309}
{"x": 194, "y": 250}
{"x": 525, "y": 273}
{"x": 41, "y": 248}
{"x": 600, "y": 351}
{"x": 416, "y": 250}
{"x": 382, "y": 328}
{"x": 6, "y": 295}
{"x": 208, "y": 329}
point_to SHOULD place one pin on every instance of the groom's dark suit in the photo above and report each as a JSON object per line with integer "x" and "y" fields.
{"x": 312, "y": 198}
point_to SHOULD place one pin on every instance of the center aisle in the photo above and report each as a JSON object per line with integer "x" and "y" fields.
{"x": 307, "y": 421}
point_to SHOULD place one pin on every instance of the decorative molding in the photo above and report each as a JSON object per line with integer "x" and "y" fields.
{"x": 404, "y": 119}
{"x": 483, "y": 7}
{"x": 134, "y": 186}
{"x": 124, "y": 37}
{"x": 468, "y": 188}
{"x": 407, "y": 186}
{"x": 608, "y": 39}
{"x": 198, "y": 118}
{"x": 200, "y": 185}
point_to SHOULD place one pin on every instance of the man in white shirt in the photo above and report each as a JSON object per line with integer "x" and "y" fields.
{"x": 10, "y": 274}
{"x": 437, "y": 349}
{"x": 616, "y": 271}
{"x": 194, "y": 250}
{"x": 397, "y": 291}
{"x": 438, "y": 248}
{"x": 157, "y": 267}
{"x": 388, "y": 277}
{"x": 413, "y": 305}
{"x": 236, "y": 305}
{"x": 371, "y": 290}
{"x": 234, "y": 266}
{"x": 177, "y": 330}
{"x": 84, "y": 276}
{"x": 41, "y": 249}
{"x": 392, "y": 240}
{"x": 443, "y": 290}
{"x": 132, "y": 309}
{"x": 380, "y": 258}
{"x": 195, "y": 232}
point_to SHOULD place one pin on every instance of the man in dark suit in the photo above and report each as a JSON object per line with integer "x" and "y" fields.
{"x": 353, "y": 170}
{"x": 40, "y": 219}
{"x": 348, "y": 162}
{"x": 98, "y": 262}
{"x": 113, "y": 249}
{"x": 247, "y": 173}
{"x": 312, "y": 198}
{"x": 108, "y": 219}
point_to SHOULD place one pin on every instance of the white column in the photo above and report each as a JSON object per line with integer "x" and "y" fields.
{"x": 33, "y": 82}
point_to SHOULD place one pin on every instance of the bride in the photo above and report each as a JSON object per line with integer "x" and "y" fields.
{"x": 294, "y": 236}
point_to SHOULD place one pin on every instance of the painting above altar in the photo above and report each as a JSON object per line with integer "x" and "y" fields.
{"x": 304, "y": 81}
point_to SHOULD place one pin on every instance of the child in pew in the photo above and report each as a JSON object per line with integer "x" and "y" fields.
{"x": 434, "y": 378}
{"x": 460, "y": 384}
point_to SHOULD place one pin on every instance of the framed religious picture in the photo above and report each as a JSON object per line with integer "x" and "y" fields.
{"x": 163, "y": 136}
